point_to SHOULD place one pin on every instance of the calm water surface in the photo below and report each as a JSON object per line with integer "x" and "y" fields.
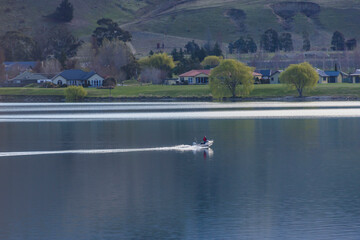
{"x": 127, "y": 171}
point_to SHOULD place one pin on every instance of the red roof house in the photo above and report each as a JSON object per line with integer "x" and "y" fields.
{"x": 195, "y": 77}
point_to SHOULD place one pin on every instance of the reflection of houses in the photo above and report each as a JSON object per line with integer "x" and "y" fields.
{"x": 275, "y": 77}
{"x": 78, "y": 77}
{"x": 266, "y": 74}
{"x": 323, "y": 77}
{"x": 257, "y": 77}
{"x": 195, "y": 77}
{"x": 26, "y": 78}
{"x": 355, "y": 77}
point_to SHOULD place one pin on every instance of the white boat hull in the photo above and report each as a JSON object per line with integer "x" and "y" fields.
{"x": 208, "y": 144}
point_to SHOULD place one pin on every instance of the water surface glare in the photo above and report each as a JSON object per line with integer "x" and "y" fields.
{"x": 164, "y": 111}
{"x": 115, "y": 171}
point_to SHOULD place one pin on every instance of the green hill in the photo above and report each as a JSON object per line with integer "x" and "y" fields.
{"x": 221, "y": 20}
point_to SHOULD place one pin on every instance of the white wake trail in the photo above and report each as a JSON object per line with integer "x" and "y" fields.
{"x": 180, "y": 148}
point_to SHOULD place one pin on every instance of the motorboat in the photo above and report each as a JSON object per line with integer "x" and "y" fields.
{"x": 207, "y": 144}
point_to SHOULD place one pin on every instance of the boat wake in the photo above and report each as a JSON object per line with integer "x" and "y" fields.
{"x": 178, "y": 148}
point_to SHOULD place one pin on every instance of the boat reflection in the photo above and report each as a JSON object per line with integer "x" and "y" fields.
{"x": 207, "y": 152}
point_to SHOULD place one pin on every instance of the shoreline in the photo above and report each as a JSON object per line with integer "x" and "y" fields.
{"x": 61, "y": 99}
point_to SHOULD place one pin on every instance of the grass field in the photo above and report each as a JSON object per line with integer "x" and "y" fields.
{"x": 260, "y": 91}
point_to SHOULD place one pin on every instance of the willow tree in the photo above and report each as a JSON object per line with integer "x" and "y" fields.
{"x": 211, "y": 61}
{"x": 159, "y": 64}
{"x": 300, "y": 76}
{"x": 230, "y": 79}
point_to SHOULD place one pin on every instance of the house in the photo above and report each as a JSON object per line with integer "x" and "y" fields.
{"x": 195, "y": 77}
{"x": 266, "y": 74}
{"x": 275, "y": 77}
{"x": 77, "y": 77}
{"x": 355, "y": 77}
{"x": 323, "y": 77}
{"x": 22, "y": 66}
{"x": 257, "y": 77}
{"x": 26, "y": 78}
{"x": 12, "y": 69}
{"x": 335, "y": 76}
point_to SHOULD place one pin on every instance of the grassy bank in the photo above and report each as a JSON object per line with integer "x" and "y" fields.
{"x": 260, "y": 91}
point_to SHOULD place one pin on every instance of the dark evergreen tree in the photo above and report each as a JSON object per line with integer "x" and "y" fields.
{"x": 285, "y": 42}
{"x": 338, "y": 41}
{"x": 201, "y": 54}
{"x": 306, "y": 42}
{"x": 250, "y": 44}
{"x": 64, "y": 12}
{"x": 351, "y": 44}
{"x": 192, "y": 47}
{"x": 217, "y": 50}
{"x": 240, "y": 45}
{"x": 61, "y": 44}
{"x": 208, "y": 48}
{"x": 174, "y": 53}
{"x": 270, "y": 41}
{"x": 181, "y": 54}
{"x": 187, "y": 64}
{"x": 231, "y": 48}
{"x": 151, "y": 53}
{"x": 132, "y": 69}
{"x": 110, "y": 30}
{"x": 306, "y": 45}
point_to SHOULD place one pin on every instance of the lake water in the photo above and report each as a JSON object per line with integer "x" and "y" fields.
{"x": 128, "y": 171}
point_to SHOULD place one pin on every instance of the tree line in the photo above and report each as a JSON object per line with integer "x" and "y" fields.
{"x": 59, "y": 49}
{"x": 272, "y": 41}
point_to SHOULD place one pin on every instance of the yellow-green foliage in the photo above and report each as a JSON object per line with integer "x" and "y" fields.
{"x": 160, "y": 61}
{"x": 230, "y": 79}
{"x": 75, "y": 93}
{"x": 212, "y": 61}
{"x": 300, "y": 76}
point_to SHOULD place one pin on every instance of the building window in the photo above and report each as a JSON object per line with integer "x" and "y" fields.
{"x": 190, "y": 80}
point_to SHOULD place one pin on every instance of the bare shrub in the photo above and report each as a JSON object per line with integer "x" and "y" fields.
{"x": 109, "y": 60}
{"x": 152, "y": 75}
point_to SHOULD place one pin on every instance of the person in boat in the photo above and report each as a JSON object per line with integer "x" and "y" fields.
{"x": 204, "y": 140}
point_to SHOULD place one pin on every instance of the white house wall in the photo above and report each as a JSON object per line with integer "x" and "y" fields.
{"x": 274, "y": 79}
{"x": 95, "y": 78}
{"x": 56, "y": 79}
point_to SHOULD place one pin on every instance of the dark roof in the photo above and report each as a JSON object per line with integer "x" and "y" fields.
{"x": 321, "y": 73}
{"x": 264, "y": 72}
{"x": 76, "y": 74}
{"x": 25, "y": 65}
{"x": 28, "y": 76}
{"x": 356, "y": 73}
{"x": 277, "y": 71}
{"x": 332, "y": 73}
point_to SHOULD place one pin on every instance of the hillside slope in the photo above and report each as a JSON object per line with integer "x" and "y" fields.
{"x": 220, "y": 20}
